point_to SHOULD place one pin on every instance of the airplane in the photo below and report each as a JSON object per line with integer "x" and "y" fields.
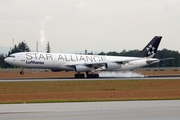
{"x": 89, "y": 64}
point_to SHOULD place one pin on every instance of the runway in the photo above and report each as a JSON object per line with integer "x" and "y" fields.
{"x": 136, "y": 110}
{"x": 84, "y": 79}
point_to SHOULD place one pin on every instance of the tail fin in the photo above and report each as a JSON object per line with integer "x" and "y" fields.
{"x": 151, "y": 48}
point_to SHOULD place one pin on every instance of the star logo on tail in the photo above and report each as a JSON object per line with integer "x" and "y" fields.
{"x": 150, "y": 49}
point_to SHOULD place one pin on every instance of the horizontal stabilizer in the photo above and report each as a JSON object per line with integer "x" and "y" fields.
{"x": 166, "y": 59}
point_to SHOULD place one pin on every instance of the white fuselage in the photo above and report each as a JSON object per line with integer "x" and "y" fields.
{"x": 62, "y": 61}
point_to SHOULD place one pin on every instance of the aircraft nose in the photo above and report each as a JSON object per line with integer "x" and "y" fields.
{"x": 6, "y": 60}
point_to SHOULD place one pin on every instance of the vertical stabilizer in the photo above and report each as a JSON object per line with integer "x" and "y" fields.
{"x": 151, "y": 48}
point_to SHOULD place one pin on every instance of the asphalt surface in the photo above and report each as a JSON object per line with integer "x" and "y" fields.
{"x": 79, "y": 79}
{"x": 136, "y": 110}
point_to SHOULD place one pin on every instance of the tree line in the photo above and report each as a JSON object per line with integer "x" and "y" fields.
{"x": 161, "y": 54}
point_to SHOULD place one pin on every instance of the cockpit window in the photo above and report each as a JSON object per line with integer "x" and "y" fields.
{"x": 12, "y": 56}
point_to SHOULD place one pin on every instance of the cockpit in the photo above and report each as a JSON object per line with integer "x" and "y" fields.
{"x": 10, "y": 59}
{"x": 12, "y": 56}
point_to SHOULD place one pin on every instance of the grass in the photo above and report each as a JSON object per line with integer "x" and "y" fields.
{"x": 73, "y": 91}
{"x": 79, "y": 86}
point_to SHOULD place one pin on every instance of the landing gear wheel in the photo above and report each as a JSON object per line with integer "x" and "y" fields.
{"x": 79, "y": 75}
{"x": 76, "y": 75}
{"x": 82, "y": 75}
{"x": 96, "y": 75}
{"x": 22, "y": 72}
{"x": 92, "y": 75}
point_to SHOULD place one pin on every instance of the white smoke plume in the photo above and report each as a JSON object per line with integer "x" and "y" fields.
{"x": 120, "y": 74}
{"x": 42, "y": 33}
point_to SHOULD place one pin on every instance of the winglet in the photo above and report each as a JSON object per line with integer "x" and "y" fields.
{"x": 151, "y": 48}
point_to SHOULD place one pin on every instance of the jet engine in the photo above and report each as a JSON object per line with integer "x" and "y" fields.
{"x": 113, "y": 65}
{"x": 81, "y": 68}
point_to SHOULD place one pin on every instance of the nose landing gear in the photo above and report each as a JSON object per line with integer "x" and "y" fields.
{"x": 21, "y": 71}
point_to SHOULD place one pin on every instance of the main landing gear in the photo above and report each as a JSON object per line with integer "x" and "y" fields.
{"x": 79, "y": 75}
{"x": 21, "y": 71}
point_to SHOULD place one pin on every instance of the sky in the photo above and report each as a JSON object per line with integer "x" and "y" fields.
{"x": 93, "y": 25}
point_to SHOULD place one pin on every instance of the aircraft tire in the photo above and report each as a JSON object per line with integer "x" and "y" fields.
{"x": 96, "y": 75}
{"x": 79, "y": 75}
{"x": 76, "y": 75}
{"x": 93, "y": 76}
{"x": 88, "y": 76}
{"x": 22, "y": 72}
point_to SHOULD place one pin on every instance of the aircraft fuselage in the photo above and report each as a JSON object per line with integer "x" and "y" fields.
{"x": 64, "y": 61}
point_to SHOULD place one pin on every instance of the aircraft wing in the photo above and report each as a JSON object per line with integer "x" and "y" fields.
{"x": 99, "y": 65}
{"x": 102, "y": 63}
{"x": 90, "y": 64}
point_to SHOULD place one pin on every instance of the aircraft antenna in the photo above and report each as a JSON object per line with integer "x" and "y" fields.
{"x": 37, "y": 46}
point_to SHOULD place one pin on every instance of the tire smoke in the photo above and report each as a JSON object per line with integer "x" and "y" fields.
{"x": 120, "y": 74}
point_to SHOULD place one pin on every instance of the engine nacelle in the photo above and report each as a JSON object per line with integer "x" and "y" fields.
{"x": 81, "y": 68}
{"x": 113, "y": 65}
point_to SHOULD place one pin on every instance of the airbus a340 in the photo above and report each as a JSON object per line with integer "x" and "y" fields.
{"x": 90, "y": 64}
